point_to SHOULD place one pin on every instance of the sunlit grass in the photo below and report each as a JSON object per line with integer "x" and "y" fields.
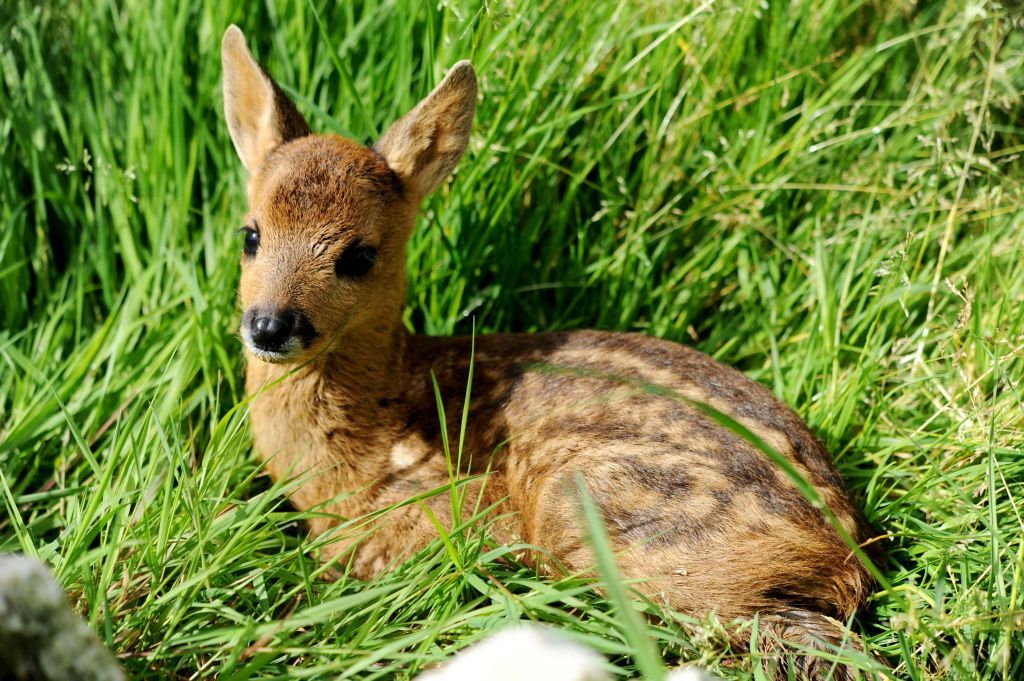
{"x": 827, "y": 195}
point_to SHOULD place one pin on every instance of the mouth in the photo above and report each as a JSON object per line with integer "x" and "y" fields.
{"x": 287, "y": 352}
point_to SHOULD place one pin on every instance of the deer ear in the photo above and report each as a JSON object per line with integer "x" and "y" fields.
{"x": 259, "y": 115}
{"x": 425, "y": 145}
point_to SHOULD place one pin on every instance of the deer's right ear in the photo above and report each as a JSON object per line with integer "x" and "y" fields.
{"x": 259, "y": 115}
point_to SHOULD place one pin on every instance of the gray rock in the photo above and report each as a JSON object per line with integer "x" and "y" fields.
{"x": 41, "y": 637}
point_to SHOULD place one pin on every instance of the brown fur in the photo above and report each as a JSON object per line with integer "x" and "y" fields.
{"x": 704, "y": 518}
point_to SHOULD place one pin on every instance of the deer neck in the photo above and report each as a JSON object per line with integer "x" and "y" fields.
{"x": 326, "y": 418}
{"x": 340, "y": 390}
{"x": 362, "y": 369}
{"x": 353, "y": 372}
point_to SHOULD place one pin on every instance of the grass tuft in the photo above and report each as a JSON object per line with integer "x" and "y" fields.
{"x": 826, "y": 194}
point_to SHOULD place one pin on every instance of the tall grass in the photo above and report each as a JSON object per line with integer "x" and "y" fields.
{"x": 826, "y": 194}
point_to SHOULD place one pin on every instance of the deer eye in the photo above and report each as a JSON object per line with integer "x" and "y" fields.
{"x": 355, "y": 261}
{"x": 251, "y": 241}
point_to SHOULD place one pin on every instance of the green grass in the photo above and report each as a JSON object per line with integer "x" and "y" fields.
{"x": 825, "y": 194}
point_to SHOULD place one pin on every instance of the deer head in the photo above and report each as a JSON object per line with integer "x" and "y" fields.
{"x": 323, "y": 254}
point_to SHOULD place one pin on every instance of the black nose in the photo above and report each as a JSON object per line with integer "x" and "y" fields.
{"x": 271, "y": 331}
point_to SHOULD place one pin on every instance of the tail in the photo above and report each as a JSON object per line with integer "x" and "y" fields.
{"x": 814, "y": 646}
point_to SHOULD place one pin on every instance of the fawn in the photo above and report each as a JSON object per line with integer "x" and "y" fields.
{"x": 344, "y": 394}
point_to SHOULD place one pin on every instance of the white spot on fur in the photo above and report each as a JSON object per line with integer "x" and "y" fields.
{"x": 404, "y": 455}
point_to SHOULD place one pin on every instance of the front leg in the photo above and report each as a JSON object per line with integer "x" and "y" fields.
{"x": 363, "y": 558}
{"x": 366, "y": 549}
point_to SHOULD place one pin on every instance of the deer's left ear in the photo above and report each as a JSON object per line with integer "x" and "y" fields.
{"x": 425, "y": 145}
{"x": 259, "y": 115}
